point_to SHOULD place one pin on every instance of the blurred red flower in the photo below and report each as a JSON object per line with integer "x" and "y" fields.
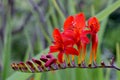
{"x": 75, "y": 34}
{"x": 62, "y": 46}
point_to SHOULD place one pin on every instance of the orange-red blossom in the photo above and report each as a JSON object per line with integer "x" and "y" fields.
{"x": 75, "y": 31}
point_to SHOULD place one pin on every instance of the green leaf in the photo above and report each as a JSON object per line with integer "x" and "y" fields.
{"x": 20, "y": 76}
{"x": 106, "y": 12}
{"x": 7, "y": 46}
{"x": 58, "y": 9}
{"x": 118, "y": 58}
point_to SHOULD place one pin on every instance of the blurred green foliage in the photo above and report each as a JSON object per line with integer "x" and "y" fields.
{"x": 111, "y": 36}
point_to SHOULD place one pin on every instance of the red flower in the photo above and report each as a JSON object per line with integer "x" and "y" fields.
{"x": 75, "y": 33}
{"x": 94, "y": 26}
{"x": 62, "y": 46}
{"x": 74, "y": 29}
{"x": 75, "y": 22}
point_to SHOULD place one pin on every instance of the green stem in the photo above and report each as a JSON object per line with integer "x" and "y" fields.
{"x": 58, "y": 9}
{"x": 29, "y": 51}
{"x": 7, "y": 47}
{"x": 118, "y": 58}
{"x": 71, "y": 7}
{"x": 106, "y": 12}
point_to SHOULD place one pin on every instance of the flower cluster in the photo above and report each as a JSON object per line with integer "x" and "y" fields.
{"x": 73, "y": 40}
{"x": 70, "y": 42}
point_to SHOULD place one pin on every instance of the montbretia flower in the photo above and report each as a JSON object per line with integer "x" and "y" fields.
{"x": 94, "y": 26}
{"x": 61, "y": 45}
{"x": 68, "y": 44}
{"x": 74, "y": 29}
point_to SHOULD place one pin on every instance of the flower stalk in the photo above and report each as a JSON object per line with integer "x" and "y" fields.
{"x": 35, "y": 66}
{"x": 68, "y": 44}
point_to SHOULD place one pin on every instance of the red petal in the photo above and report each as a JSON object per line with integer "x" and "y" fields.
{"x": 94, "y": 38}
{"x": 94, "y": 45}
{"x": 94, "y": 24}
{"x": 71, "y": 50}
{"x": 85, "y": 32}
{"x": 94, "y": 41}
{"x": 68, "y": 37}
{"x": 69, "y": 34}
{"x": 85, "y": 40}
{"x": 68, "y": 24}
{"x": 80, "y": 21}
{"x": 69, "y": 42}
{"x": 57, "y": 36}
{"x": 84, "y": 37}
{"x": 53, "y": 49}
{"x": 60, "y": 57}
